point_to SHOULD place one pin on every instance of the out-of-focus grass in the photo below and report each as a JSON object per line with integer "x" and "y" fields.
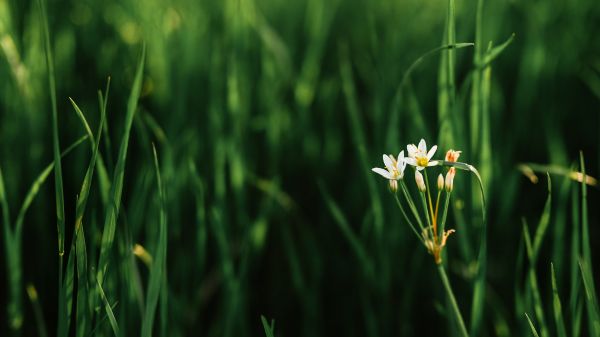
{"x": 267, "y": 116}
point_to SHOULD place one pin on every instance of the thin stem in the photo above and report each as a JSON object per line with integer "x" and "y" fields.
{"x": 429, "y": 226}
{"x": 446, "y": 204}
{"x": 411, "y": 204}
{"x": 433, "y": 219}
{"x": 459, "y": 319}
{"x": 406, "y": 217}
{"x": 437, "y": 207}
{"x": 424, "y": 204}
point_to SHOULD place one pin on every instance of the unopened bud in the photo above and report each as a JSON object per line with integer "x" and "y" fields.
{"x": 450, "y": 179}
{"x": 420, "y": 181}
{"x": 440, "y": 182}
{"x": 393, "y": 185}
{"x": 452, "y": 155}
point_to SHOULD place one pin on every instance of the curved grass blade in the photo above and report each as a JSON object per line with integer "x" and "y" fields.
{"x": 529, "y": 169}
{"x": 13, "y": 240}
{"x": 492, "y": 54}
{"x": 35, "y": 187}
{"x": 156, "y": 283}
{"x": 478, "y": 302}
{"x": 112, "y": 212}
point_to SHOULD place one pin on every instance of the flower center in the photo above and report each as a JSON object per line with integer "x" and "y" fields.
{"x": 422, "y": 161}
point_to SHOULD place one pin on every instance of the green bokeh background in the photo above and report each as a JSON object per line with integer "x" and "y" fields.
{"x": 272, "y": 102}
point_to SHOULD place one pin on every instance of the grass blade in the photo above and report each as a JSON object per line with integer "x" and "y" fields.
{"x": 532, "y": 278}
{"x": 81, "y": 254}
{"x": 558, "y": 316}
{"x": 358, "y": 135}
{"x": 542, "y": 224}
{"x": 109, "y": 311}
{"x": 585, "y": 264}
{"x": 158, "y": 266}
{"x": 36, "y": 185}
{"x": 344, "y": 226}
{"x": 37, "y": 311}
{"x": 112, "y": 211}
{"x": 533, "y": 330}
{"x": 269, "y": 328}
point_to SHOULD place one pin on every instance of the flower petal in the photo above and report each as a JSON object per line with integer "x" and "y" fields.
{"x": 431, "y": 152}
{"x": 388, "y": 161}
{"x": 382, "y": 172}
{"x": 423, "y": 146}
{"x": 433, "y": 163}
{"x": 410, "y": 161}
{"x": 412, "y": 150}
{"x": 400, "y": 164}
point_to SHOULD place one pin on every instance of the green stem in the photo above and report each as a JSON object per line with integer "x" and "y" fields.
{"x": 411, "y": 204}
{"x": 432, "y": 219}
{"x": 459, "y": 319}
{"x": 446, "y": 205}
{"x": 429, "y": 226}
{"x": 406, "y": 217}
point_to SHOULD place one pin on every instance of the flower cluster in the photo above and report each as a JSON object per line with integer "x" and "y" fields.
{"x": 432, "y": 233}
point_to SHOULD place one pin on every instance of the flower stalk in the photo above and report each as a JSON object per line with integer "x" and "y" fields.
{"x": 433, "y": 234}
{"x": 453, "y": 303}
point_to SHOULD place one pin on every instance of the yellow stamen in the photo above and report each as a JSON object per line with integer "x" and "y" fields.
{"x": 422, "y": 161}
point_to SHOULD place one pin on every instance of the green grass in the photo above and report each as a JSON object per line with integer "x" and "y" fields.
{"x": 227, "y": 172}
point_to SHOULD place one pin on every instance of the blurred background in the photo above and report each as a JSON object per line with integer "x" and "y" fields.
{"x": 268, "y": 116}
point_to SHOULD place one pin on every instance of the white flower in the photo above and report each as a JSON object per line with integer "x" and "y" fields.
{"x": 394, "y": 169}
{"x": 419, "y": 157}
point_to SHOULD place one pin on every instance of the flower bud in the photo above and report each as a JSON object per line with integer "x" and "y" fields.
{"x": 393, "y": 185}
{"x": 450, "y": 179}
{"x": 452, "y": 155}
{"x": 420, "y": 181}
{"x": 440, "y": 182}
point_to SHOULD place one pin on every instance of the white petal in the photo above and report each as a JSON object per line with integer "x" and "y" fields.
{"x": 410, "y": 161}
{"x": 382, "y": 172}
{"x": 420, "y": 168}
{"x": 388, "y": 161}
{"x": 423, "y": 146}
{"x": 412, "y": 150}
{"x": 433, "y": 163}
{"x": 400, "y": 161}
{"x": 431, "y": 152}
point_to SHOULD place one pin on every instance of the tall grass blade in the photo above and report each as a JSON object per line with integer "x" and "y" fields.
{"x": 342, "y": 222}
{"x": 358, "y": 135}
{"x": 533, "y": 283}
{"x": 156, "y": 283}
{"x": 585, "y": 264}
{"x": 542, "y": 224}
{"x": 556, "y": 304}
{"x": 112, "y": 211}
